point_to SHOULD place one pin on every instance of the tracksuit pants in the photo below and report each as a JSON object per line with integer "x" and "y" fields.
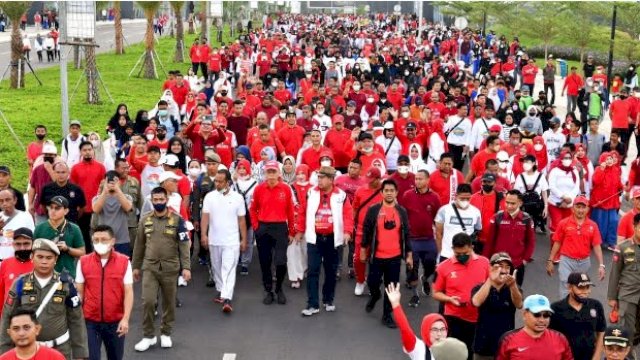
{"x": 387, "y": 270}
{"x": 224, "y": 259}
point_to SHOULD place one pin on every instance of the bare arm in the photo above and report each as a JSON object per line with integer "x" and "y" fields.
{"x": 439, "y": 231}
{"x": 128, "y": 301}
{"x": 481, "y": 295}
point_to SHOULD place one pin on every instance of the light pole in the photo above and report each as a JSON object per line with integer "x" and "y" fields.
{"x": 613, "y": 35}
{"x": 64, "y": 90}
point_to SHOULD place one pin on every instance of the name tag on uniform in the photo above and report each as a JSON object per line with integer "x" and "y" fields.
{"x": 29, "y": 299}
{"x": 170, "y": 232}
{"x": 57, "y": 299}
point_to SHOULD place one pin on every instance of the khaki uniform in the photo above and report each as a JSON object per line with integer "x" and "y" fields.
{"x": 61, "y": 315}
{"x": 161, "y": 250}
{"x": 624, "y": 283}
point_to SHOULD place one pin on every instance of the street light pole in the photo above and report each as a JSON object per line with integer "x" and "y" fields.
{"x": 64, "y": 88}
{"x": 613, "y": 35}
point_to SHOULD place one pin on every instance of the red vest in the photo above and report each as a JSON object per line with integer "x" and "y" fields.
{"x": 104, "y": 283}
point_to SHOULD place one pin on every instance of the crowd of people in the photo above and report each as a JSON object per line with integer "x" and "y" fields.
{"x": 360, "y": 146}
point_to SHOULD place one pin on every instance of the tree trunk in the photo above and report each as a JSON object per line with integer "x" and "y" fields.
{"x": 582, "y": 55}
{"x": 93, "y": 96}
{"x": 192, "y": 28}
{"x": 77, "y": 59}
{"x": 546, "y": 51}
{"x": 203, "y": 21}
{"x": 179, "y": 55}
{"x": 117, "y": 24}
{"x": 17, "y": 66}
{"x": 148, "y": 65}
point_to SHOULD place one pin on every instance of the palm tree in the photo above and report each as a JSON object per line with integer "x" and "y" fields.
{"x": 14, "y": 11}
{"x": 117, "y": 24}
{"x": 148, "y": 64}
{"x": 177, "y": 11}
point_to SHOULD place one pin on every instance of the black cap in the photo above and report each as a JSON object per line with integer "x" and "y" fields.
{"x": 489, "y": 177}
{"x": 579, "y": 279}
{"x": 364, "y": 136}
{"x": 5, "y": 169}
{"x": 161, "y": 127}
{"x": 616, "y": 335}
{"x": 23, "y": 232}
{"x": 411, "y": 125}
{"x": 60, "y": 201}
{"x": 404, "y": 158}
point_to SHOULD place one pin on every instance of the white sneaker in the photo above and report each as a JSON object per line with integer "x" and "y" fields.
{"x": 329, "y": 307}
{"x": 181, "y": 281}
{"x": 165, "y": 341}
{"x": 359, "y": 289}
{"x": 146, "y": 343}
{"x": 310, "y": 311}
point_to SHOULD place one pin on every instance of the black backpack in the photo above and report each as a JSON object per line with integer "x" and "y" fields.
{"x": 531, "y": 200}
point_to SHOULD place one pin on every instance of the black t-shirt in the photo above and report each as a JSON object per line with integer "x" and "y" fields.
{"x": 71, "y": 192}
{"x": 579, "y": 327}
{"x": 496, "y": 316}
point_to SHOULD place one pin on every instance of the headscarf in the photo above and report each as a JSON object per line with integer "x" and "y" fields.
{"x": 631, "y": 73}
{"x": 427, "y": 322}
{"x": 518, "y": 158}
{"x": 557, "y": 163}
{"x": 289, "y": 178}
{"x": 182, "y": 155}
{"x": 416, "y": 164}
{"x": 268, "y": 150}
{"x": 437, "y": 127}
{"x": 244, "y": 150}
{"x": 245, "y": 164}
{"x": 303, "y": 168}
{"x": 584, "y": 161}
{"x": 541, "y": 156}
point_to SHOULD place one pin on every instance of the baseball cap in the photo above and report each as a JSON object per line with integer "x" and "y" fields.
{"x": 502, "y": 156}
{"x": 373, "y": 174}
{"x": 337, "y": 119}
{"x": 403, "y": 158}
{"x": 23, "y": 232}
{"x": 47, "y": 245}
{"x": 5, "y": 169}
{"x": 556, "y": 120}
{"x": 60, "y": 201}
{"x": 388, "y": 125}
{"x": 161, "y": 128}
{"x": 271, "y": 165}
{"x": 364, "y": 136}
{"x": 579, "y": 279}
{"x": 449, "y": 349}
{"x": 351, "y": 103}
{"x": 170, "y": 160}
{"x": 537, "y": 303}
{"x": 616, "y": 335}
{"x": 168, "y": 175}
{"x": 213, "y": 157}
{"x": 327, "y": 171}
{"x": 581, "y": 199}
{"x": 495, "y": 128}
{"x": 524, "y": 88}
{"x": 49, "y": 148}
{"x": 75, "y": 122}
{"x": 411, "y": 125}
{"x": 500, "y": 257}
{"x": 488, "y": 177}
{"x": 635, "y": 193}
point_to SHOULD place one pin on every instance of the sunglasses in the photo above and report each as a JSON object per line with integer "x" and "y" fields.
{"x": 545, "y": 315}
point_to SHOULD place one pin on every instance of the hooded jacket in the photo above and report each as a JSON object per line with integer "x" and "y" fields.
{"x": 607, "y": 184}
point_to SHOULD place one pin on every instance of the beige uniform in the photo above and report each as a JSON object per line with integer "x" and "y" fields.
{"x": 624, "y": 283}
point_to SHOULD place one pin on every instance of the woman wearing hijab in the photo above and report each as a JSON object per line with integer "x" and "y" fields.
{"x": 177, "y": 148}
{"x": 605, "y": 197}
{"x": 243, "y": 153}
{"x": 288, "y": 170}
{"x": 433, "y": 329}
{"x": 585, "y": 168}
{"x": 416, "y": 162}
{"x": 121, "y": 110}
{"x": 189, "y": 106}
{"x": 631, "y": 78}
{"x": 141, "y": 121}
{"x": 297, "y": 251}
{"x": 437, "y": 145}
{"x": 266, "y": 154}
{"x": 532, "y": 180}
{"x": 564, "y": 186}
{"x": 517, "y": 159}
{"x": 540, "y": 152}
{"x": 245, "y": 184}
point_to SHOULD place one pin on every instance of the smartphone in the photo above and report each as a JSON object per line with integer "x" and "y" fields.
{"x": 208, "y": 118}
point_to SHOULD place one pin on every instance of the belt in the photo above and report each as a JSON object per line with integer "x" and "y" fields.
{"x": 57, "y": 341}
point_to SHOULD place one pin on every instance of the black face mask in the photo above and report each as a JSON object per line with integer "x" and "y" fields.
{"x": 40, "y": 136}
{"x": 518, "y": 97}
{"x": 487, "y": 188}
{"x": 161, "y": 136}
{"x": 49, "y": 159}
{"x": 578, "y": 299}
{"x": 23, "y": 255}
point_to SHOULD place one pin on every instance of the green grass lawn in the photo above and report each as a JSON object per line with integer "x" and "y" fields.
{"x": 24, "y": 108}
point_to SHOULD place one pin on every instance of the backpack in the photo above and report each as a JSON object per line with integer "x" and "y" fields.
{"x": 531, "y": 200}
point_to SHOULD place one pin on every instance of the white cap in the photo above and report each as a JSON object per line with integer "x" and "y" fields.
{"x": 49, "y": 148}
{"x": 171, "y": 160}
{"x": 168, "y": 175}
{"x": 502, "y": 155}
{"x": 388, "y": 125}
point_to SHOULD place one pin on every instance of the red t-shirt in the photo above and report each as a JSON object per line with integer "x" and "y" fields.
{"x": 34, "y": 150}
{"x": 620, "y": 114}
{"x": 625, "y": 226}
{"x": 576, "y": 240}
{"x": 388, "y": 240}
{"x": 518, "y": 345}
{"x": 88, "y": 175}
{"x": 443, "y": 186}
{"x": 10, "y": 270}
{"x": 43, "y": 353}
{"x": 479, "y": 161}
{"x": 324, "y": 219}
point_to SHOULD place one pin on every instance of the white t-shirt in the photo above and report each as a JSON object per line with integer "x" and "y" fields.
{"x": 128, "y": 275}
{"x": 554, "y": 142}
{"x": 149, "y": 178}
{"x": 479, "y": 131}
{"x": 224, "y": 211}
{"x": 459, "y": 135}
{"x": 447, "y": 216}
{"x": 419, "y": 351}
{"x": 20, "y": 219}
{"x": 543, "y": 185}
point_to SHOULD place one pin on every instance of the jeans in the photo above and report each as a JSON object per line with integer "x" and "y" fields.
{"x": 322, "y": 253}
{"x": 387, "y": 269}
{"x": 101, "y": 332}
{"x": 567, "y": 266}
{"x": 123, "y": 249}
{"x": 572, "y": 103}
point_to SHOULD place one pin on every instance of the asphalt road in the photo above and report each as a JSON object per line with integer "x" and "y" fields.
{"x": 133, "y": 32}
{"x": 256, "y": 331}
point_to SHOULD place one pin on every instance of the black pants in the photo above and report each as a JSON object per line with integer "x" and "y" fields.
{"x": 387, "y": 270}
{"x": 551, "y": 87}
{"x": 463, "y": 331}
{"x": 272, "y": 240}
{"x": 99, "y": 333}
{"x": 520, "y": 275}
{"x": 425, "y": 252}
{"x": 458, "y": 160}
{"x": 84, "y": 222}
{"x": 203, "y": 67}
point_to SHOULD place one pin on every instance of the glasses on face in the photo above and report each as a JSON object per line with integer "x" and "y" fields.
{"x": 543, "y": 314}
{"x": 439, "y": 330}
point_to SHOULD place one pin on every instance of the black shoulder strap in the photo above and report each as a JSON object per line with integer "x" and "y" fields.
{"x": 499, "y": 197}
{"x": 295, "y": 193}
{"x": 524, "y": 182}
{"x": 537, "y": 181}
{"x": 390, "y": 144}
{"x": 464, "y": 228}
{"x": 454, "y": 127}
{"x": 244, "y": 193}
{"x": 485, "y": 124}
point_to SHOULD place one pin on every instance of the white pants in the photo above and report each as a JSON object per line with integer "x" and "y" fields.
{"x": 224, "y": 259}
{"x": 297, "y": 260}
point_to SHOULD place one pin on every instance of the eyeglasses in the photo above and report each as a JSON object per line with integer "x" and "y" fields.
{"x": 545, "y": 315}
{"x": 439, "y": 330}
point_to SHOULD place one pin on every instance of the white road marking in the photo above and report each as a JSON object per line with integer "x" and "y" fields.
{"x": 229, "y": 356}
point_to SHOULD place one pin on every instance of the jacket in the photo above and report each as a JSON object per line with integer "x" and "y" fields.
{"x": 104, "y": 283}
{"x": 370, "y": 236}
{"x": 341, "y": 212}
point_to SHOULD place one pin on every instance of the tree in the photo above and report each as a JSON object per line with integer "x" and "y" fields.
{"x": 148, "y": 63}
{"x": 544, "y": 22}
{"x": 117, "y": 25}
{"x": 474, "y": 11}
{"x": 14, "y": 11}
{"x": 578, "y": 25}
{"x": 203, "y": 20}
{"x": 177, "y": 11}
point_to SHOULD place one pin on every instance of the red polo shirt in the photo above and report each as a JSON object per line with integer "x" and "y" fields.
{"x": 625, "y": 226}
{"x": 576, "y": 240}
{"x": 272, "y": 205}
{"x": 455, "y": 279}
{"x": 311, "y": 157}
{"x": 518, "y": 345}
{"x": 88, "y": 175}
{"x": 421, "y": 209}
{"x": 443, "y": 187}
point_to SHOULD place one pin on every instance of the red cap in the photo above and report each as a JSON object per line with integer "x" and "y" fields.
{"x": 337, "y": 118}
{"x": 272, "y": 165}
{"x": 222, "y": 121}
{"x": 635, "y": 193}
{"x": 202, "y": 96}
{"x": 495, "y": 128}
{"x": 373, "y": 174}
{"x": 581, "y": 199}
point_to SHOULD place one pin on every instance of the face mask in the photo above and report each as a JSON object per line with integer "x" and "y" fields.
{"x": 150, "y": 137}
{"x": 320, "y": 112}
{"x": 514, "y": 107}
{"x": 160, "y": 207}
{"x": 325, "y": 163}
{"x": 194, "y": 172}
{"x": 381, "y": 71}
{"x": 566, "y": 163}
{"x": 163, "y": 112}
{"x": 537, "y": 147}
{"x": 161, "y": 136}
{"x": 368, "y": 150}
{"x": 308, "y": 76}
{"x": 403, "y": 169}
{"x": 527, "y": 166}
{"x": 102, "y": 249}
{"x": 462, "y": 259}
{"x": 23, "y": 255}
{"x": 463, "y": 204}
{"x": 356, "y": 87}
{"x": 223, "y": 93}
{"x": 282, "y": 115}
{"x": 502, "y": 165}
{"x": 95, "y": 143}
{"x": 406, "y": 73}
{"x": 487, "y": 188}
{"x": 274, "y": 84}
{"x": 579, "y": 299}
{"x": 518, "y": 98}
{"x": 370, "y": 100}
{"x": 405, "y": 114}
{"x": 40, "y": 136}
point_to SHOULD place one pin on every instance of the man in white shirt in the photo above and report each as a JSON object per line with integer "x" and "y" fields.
{"x": 391, "y": 145}
{"x": 458, "y": 133}
{"x": 456, "y": 217}
{"x": 224, "y": 232}
{"x": 323, "y": 119}
{"x": 11, "y": 219}
{"x": 481, "y": 127}
{"x": 71, "y": 144}
{"x": 554, "y": 139}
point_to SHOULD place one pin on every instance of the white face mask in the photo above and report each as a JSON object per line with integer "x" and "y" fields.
{"x": 527, "y": 166}
{"x": 405, "y": 114}
{"x": 356, "y": 87}
{"x": 194, "y": 171}
{"x": 282, "y": 115}
{"x": 381, "y": 71}
{"x": 566, "y": 162}
{"x": 102, "y": 249}
{"x": 308, "y": 76}
{"x": 462, "y": 204}
{"x": 537, "y": 147}
{"x": 370, "y": 100}
{"x": 320, "y": 112}
{"x": 368, "y": 150}
{"x": 95, "y": 143}
{"x": 502, "y": 165}
{"x": 403, "y": 169}
{"x": 325, "y": 163}
{"x": 149, "y": 137}
{"x": 637, "y": 94}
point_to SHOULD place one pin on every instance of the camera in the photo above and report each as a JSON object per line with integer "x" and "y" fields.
{"x": 389, "y": 224}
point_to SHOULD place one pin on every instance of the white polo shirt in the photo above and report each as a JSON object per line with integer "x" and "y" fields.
{"x": 447, "y": 216}
{"x": 224, "y": 211}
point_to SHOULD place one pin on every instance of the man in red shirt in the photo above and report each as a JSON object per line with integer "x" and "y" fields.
{"x": 282, "y": 94}
{"x": 11, "y": 268}
{"x": 529, "y": 73}
{"x": 87, "y": 174}
{"x": 239, "y": 123}
{"x": 625, "y": 226}
{"x": 311, "y": 155}
{"x": 335, "y": 139}
{"x": 34, "y": 149}
{"x": 405, "y": 179}
{"x": 291, "y": 135}
{"x": 488, "y": 201}
{"x": 619, "y": 112}
{"x": 574, "y": 238}
{"x": 204, "y": 134}
{"x": 480, "y": 159}
{"x": 455, "y": 278}
{"x": 446, "y": 179}
{"x": 535, "y": 340}
{"x": 23, "y": 329}
{"x": 272, "y": 220}
{"x": 265, "y": 139}
{"x": 179, "y": 90}
{"x": 385, "y": 243}
{"x": 572, "y": 84}
{"x": 215, "y": 64}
